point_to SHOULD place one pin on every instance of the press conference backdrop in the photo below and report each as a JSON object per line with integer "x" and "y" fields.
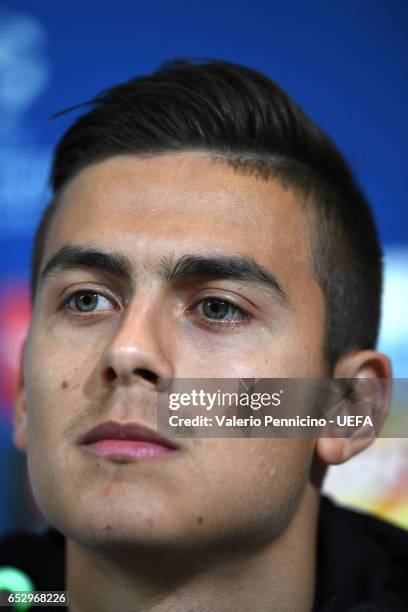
{"x": 345, "y": 62}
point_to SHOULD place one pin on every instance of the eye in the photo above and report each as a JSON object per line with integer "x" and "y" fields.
{"x": 88, "y": 301}
{"x": 222, "y": 311}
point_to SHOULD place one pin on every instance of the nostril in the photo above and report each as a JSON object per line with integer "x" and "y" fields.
{"x": 110, "y": 374}
{"x": 146, "y": 374}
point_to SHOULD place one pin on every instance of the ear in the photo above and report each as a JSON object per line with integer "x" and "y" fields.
{"x": 361, "y": 365}
{"x": 20, "y": 408}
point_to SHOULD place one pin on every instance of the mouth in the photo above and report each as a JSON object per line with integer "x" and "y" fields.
{"x": 126, "y": 441}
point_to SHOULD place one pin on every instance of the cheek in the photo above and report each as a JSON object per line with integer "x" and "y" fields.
{"x": 267, "y": 464}
{"x": 264, "y": 478}
{"x": 57, "y": 365}
{"x": 54, "y": 380}
{"x": 290, "y": 346}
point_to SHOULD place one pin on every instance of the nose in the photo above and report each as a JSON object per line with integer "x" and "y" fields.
{"x": 139, "y": 351}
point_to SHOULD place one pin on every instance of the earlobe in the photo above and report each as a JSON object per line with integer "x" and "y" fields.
{"x": 334, "y": 451}
{"x": 370, "y": 373}
{"x": 20, "y": 409}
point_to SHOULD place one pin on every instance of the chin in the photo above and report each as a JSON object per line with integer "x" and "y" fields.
{"x": 116, "y": 525}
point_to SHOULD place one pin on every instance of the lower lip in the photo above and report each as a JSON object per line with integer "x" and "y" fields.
{"x": 134, "y": 449}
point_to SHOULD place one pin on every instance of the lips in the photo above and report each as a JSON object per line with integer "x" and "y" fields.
{"x": 125, "y": 440}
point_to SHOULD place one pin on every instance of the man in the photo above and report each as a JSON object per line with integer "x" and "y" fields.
{"x": 201, "y": 227}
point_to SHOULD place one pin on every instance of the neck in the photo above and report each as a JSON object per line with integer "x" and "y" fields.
{"x": 278, "y": 576}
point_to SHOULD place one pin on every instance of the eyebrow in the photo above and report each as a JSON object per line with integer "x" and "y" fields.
{"x": 235, "y": 267}
{"x": 71, "y": 257}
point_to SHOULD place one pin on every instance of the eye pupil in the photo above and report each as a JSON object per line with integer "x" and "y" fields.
{"x": 86, "y": 302}
{"x": 216, "y": 309}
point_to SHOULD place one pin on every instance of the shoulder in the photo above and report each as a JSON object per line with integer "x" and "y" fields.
{"x": 361, "y": 560}
{"x": 346, "y": 522}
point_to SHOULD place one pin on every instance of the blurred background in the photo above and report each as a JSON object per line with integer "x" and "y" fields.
{"x": 345, "y": 62}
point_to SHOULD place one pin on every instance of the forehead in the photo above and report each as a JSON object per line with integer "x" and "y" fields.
{"x": 181, "y": 202}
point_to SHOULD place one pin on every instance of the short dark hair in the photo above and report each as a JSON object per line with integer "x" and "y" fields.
{"x": 239, "y": 114}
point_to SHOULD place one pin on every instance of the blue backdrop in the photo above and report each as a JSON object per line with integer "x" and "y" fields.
{"x": 345, "y": 62}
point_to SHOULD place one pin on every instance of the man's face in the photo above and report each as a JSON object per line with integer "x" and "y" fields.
{"x": 88, "y": 361}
